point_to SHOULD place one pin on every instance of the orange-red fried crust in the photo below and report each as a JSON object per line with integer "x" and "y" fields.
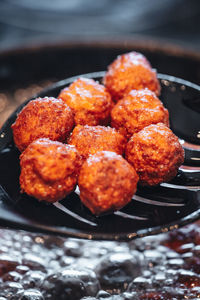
{"x": 91, "y": 139}
{"x": 130, "y": 71}
{"x": 43, "y": 117}
{"x": 107, "y": 182}
{"x": 49, "y": 170}
{"x": 155, "y": 153}
{"x": 90, "y": 101}
{"x": 137, "y": 110}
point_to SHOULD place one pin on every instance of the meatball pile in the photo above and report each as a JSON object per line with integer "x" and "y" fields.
{"x": 107, "y": 182}
{"x": 43, "y": 117}
{"x": 49, "y": 169}
{"x": 130, "y": 71}
{"x": 90, "y": 101}
{"x": 105, "y": 138}
{"x": 155, "y": 153}
{"x": 89, "y": 140}
{"x": 137, "y": 110}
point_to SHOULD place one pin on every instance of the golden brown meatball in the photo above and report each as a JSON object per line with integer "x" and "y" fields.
{"x": 130, "y": 71}
{"x": 91, "y": 139}
{"x": 107, "y": 182}
{"x": 90, "y": 101}
{"x": 49, "y": 170}
{"x": 43, "y": 117}
{"x": 156, "y": 154}
{"x": 137, "y": 110}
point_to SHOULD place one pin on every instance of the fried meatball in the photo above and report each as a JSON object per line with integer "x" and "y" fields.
{"x": 130, "y": 71}
{"x": 43, "y": 117}
{"x": 137, "y": 110}
{"x": 155, "y": 153}
{"x": 107, "y": 182}
{"x": 49, "y": 170}
{"x": 91, "y": 139}
{"x": 90, "y": 101}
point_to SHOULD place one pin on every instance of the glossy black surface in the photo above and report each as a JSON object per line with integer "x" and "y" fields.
{"x": 153, "y": 210}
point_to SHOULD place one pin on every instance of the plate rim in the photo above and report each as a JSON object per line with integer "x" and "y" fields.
{"x": 125, "y": 42}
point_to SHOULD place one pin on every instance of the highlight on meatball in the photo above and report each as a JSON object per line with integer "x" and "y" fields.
{"x": 130, "y": 71}
{"x": 90, "y": 101}
{"x": 137, "y": 110}
{"x": 49, "y": 170}
{"x": 42, "y": 118}
{"x": 90, "y": 139}
{"x": 155, "y": 153}
{"x": 107, "y": 182}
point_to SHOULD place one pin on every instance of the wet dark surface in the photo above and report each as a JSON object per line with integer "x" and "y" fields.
{"x": 37, "y": 267}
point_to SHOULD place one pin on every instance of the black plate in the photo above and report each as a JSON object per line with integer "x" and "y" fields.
{"x": 153, "y": 210}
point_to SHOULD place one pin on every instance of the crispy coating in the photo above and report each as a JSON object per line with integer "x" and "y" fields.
{"x": 90, "y": 102}
{"x": 49, "y": 170}
{"x": 43, "y": 117}
{"x": 107, "y": 182}
{"x": 156, "y": 154}
{"x": 137, "y": 110}
{"x": 130, "y": 71}
{"x": 91, "y": 139}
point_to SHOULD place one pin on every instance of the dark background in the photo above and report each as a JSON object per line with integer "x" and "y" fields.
{"x": 31, "y": 21}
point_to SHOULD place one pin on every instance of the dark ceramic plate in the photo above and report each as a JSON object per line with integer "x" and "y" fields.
{"x": 153, "y": 210}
